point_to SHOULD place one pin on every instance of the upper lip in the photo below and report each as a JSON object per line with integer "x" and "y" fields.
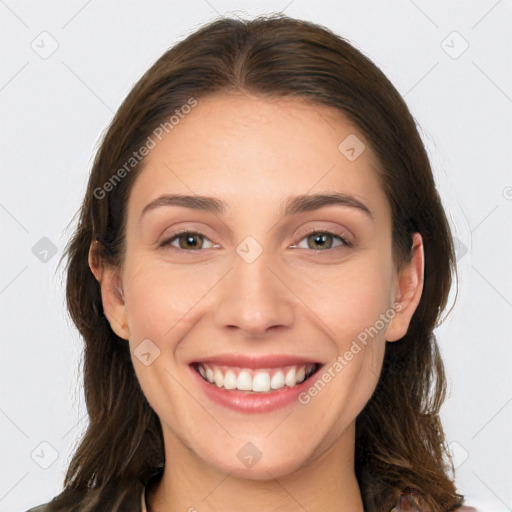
{"x": 255, "y": 361}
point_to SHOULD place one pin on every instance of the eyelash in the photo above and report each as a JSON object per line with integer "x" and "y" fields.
{"x": 176, "y": 236}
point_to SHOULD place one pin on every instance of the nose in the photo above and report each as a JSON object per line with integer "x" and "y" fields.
{"x": 255, "y": 298}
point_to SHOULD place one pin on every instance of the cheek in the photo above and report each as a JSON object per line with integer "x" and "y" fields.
{"x": 352, "y": 298}
{"x": 355, "y": 305}
{"x": 161, "y": 301}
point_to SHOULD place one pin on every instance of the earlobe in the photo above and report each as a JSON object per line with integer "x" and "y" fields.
{"x": 112, "y": 295}
{"x": 408, "y": 291}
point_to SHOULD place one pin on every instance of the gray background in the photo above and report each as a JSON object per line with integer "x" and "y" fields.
{"x": 66, "y": 68}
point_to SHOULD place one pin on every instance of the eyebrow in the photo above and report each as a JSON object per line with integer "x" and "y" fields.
{"x": 292, "y": 205}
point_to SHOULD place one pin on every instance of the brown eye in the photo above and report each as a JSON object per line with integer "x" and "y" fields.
{"x": 187, "y": 241}
{"x": 190, "y": 241}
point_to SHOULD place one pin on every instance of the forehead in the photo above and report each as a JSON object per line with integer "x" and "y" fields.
{"x": 252, "y": 151}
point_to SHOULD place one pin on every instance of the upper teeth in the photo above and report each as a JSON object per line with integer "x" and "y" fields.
{"x": 262, "y": 380}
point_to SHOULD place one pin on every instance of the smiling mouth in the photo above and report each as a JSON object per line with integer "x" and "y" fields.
{"x": 263, "y": 380}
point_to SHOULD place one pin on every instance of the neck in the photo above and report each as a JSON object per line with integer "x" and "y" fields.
{"x": 326, "y": 482}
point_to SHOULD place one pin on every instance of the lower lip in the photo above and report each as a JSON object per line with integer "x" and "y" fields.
{"x": 251, "y": 402}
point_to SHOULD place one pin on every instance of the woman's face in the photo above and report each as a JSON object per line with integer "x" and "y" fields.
{"x": 272, "y": 288}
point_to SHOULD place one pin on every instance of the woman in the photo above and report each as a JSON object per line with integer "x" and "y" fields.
{"x": 260, "y": 261}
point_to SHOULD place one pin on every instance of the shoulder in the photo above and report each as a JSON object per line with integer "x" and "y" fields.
{"x": 39, "y": 508}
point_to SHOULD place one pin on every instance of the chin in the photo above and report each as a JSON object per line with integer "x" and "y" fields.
{"x": 262, "y": 464}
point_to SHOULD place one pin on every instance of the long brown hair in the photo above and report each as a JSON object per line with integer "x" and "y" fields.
{"x": 400, "y": 442}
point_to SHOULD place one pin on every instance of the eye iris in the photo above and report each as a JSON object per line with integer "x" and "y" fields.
{"x": 189, "y": 241}
{"x": 320, "y": 239}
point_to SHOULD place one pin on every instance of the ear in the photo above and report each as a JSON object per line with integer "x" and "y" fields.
{"x": 112, "y": 298}
{"x": 408, "y": 291}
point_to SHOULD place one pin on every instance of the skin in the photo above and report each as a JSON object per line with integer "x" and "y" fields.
{"x": 295, "y": 298}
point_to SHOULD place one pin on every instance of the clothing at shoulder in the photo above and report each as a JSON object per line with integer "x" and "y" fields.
{"x": 42, "y": 508}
